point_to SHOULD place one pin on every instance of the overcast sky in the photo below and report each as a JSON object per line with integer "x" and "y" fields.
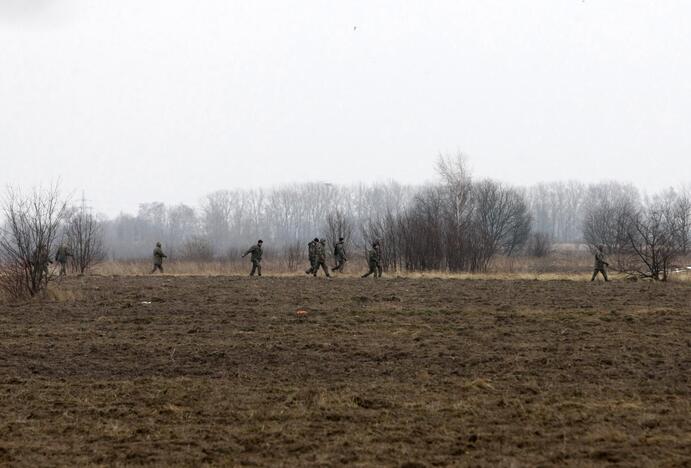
{"x": 166, "y": 100}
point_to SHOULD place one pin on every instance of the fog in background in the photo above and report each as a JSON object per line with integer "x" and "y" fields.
{"x": 168, "y": 101}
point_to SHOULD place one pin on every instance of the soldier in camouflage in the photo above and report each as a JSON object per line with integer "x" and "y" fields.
{"x": 339, "y": 255}
{"x": 256, "y": 257}
{"x": 61, "y": 257}
{"x": 374, "y": 261}
{"x": 600, "y": 263}
{"x": 158, "y": 258}
{"x": 312, "y": 255}
{"x": 320, "y": 260}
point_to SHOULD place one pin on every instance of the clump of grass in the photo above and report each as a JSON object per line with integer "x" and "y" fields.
{"x": 57, "y": 294}
{"x": 479, "y": 384}
{"x": 53, "y": 294}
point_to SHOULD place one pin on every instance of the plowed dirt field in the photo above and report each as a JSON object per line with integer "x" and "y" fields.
{"x": 172, "y": 370}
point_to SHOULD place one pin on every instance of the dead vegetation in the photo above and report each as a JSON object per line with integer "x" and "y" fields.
{"x": 562, "y": 264}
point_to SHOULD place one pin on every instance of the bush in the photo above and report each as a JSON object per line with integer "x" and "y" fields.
{"x": 539, "y": 245}
{"x": 197, "y": 249}
{"x": 29, "y": 232}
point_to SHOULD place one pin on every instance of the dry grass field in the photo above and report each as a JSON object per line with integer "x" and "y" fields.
{"x": 219, "y": 370}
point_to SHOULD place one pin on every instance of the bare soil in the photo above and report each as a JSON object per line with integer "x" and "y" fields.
{"x": 172, "y": 370}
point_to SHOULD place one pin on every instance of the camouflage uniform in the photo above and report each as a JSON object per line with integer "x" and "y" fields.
{"x": 374, "y": 261}
{"x": 61, "y": 257}
{"x": 158, "y": 258}
{"x": 600, "y": 263}
{"x": 312, "y": 255}
{"x": 320, "y": 260}
{"x": 339, "y": 255}
{"x": 256, "y": 258}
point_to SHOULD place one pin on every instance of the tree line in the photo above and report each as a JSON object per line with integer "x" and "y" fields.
{"x": 457, "y": 223}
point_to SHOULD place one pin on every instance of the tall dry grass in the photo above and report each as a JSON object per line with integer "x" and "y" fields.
{"x": 562, "y": 265}
{"x": 573, "y": 265}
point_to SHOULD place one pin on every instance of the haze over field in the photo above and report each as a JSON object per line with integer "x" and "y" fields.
{"x": 169, "y": 100}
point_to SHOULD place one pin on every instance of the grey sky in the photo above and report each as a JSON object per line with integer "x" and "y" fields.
{"x": 166, "y": 100}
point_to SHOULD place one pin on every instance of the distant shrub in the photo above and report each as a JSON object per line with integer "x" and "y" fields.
{"x": 197, "y": 249}
{"x": 539, "y": 245}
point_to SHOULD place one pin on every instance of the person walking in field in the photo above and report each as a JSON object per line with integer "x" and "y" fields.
{"x": 600, "y": 263}
{"x": 61, "y": 257}
{"x": 320, "y": 260}
{"x": 339, "y": 255}
{"x": 374, "y": 261}
{"x": 256, "y": 257}
{"x": 158, "y": 258}
{"x": 312, "y": 255}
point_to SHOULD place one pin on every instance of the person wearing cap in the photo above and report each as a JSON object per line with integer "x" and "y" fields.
{"x": 312, "y": 255}
{"x": 339, "y": 255}
{"x": 256, "y": 257}
{"x": 158, "y": 258}
{"x": 320, "y": 260}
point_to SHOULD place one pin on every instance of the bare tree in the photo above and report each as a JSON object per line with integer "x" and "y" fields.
{"x": 456, "y": 202}
{"x": 85, "y": 238}
{"x": 31, "y": 225}
{"x": 371, "y": 231}
{"x": 501, "y": 222}
{"x": 423, "y": 234}
{"x": 681, "y": 216}
{"x": 611, "y": 208}
{"x": 643, "y": 239}
{"x": 539, "y": 245}
{"x": 653, "y": 238}
{"x": 557, "y": 209}
{"x": 338, "y": 225}
{"x": 197, "y": 249}
{"x": 182, "y": 224}
{"x": 217, "y": 210}
{"x": 295, "y": 255}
